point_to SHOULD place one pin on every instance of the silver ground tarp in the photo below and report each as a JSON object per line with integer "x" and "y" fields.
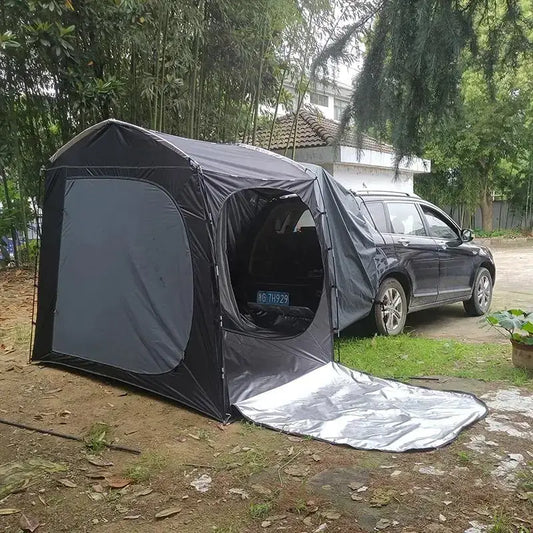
{"x": 343, "y": 406}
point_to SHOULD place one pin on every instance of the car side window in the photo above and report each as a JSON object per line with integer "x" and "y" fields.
{"x": 438, "y": 227}
{"x": 405, "y": 219}
{"x": 377, "y": 212}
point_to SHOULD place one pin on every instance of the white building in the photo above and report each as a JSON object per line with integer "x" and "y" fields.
{"x": 316, "y": 140}
{"x": 329, "y": 99}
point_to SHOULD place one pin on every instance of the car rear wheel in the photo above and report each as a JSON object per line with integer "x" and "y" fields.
{"x": 479, "y": 303}
{"x": 390, "y": 309}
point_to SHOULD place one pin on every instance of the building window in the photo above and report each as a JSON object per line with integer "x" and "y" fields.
{"x": 338, "y": 109}
{"x": 319, "y": 99}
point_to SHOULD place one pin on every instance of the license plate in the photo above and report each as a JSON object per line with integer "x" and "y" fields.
{"x": 272, "y": 298}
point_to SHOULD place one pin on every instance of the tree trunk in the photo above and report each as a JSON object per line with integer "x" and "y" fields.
{"x": 259, "y": 85}
{"x": 278, "y": 98}
{"x": 13, "y": 230}
{"x": 486, "y": 210}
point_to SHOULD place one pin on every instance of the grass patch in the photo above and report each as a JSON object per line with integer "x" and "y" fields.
{"x": 146, "y": 467}
{"x": 97, "y": 437}
{"x": 501, "y": 524}
{"x": 300, "y": 507}
{"x": 464, "y": 458}
{"x": 247, "y": 427}
{"x": 260, "y": 510}
{"x": 506, "y": 233}
{"x": 525, "y": 479}
{"x": 405, "y": 356}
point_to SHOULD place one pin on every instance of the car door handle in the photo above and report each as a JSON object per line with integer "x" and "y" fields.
{"x": 404, "y": 241}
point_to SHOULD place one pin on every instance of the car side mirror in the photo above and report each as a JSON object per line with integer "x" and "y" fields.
{"x": 467, "y": 235}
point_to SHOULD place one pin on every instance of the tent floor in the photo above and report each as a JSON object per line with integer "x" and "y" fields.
{"x": 343, "y": 406}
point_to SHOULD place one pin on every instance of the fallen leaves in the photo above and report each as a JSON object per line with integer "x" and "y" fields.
{"x": 297, "y": 470}
{"x": 28, "y": 523}
{"x": 168, "y": 512}
{"x": 98, "y": 461}
{"x": 143, "y": 492}
{"x": 116, "y": 482}
{"x": 431, "y": 471}
{"x": 240, "y": 492}
{"x": 67, "y": 483}
{"x": 262, "y": 490}
{"x": 5, "y": 512}
{"x": 383, "y": 523}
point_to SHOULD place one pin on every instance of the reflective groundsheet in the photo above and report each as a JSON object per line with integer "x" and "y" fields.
{"x": 343, "y": 406}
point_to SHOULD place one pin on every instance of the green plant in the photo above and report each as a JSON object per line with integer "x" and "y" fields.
{"x": 97, "y": 437}
{"x": 517, "y": 323}
{"x": 501, "y": 523}
{"x": 300, "y": 507}
{"x": 260, "y": 510}
{"x": 464, "y": 457}
{"x": 148, "y": 465}
{"x": 525, "y": 479}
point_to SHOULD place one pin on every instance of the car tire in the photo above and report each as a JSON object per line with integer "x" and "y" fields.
{"x": 481, "y": 298}
{"x": 390, "y": 309}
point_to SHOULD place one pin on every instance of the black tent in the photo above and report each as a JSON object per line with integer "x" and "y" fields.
{"x": 203, "y": 272}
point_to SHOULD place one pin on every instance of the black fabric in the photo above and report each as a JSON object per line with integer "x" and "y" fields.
{"x": 354, "y": 249}
{"x": 124, "y": 295}
{"x": 54, "y": 193}
{"x": 129, "y": 152}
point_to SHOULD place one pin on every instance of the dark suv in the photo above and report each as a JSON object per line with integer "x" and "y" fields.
{"x": 427, "y": 260}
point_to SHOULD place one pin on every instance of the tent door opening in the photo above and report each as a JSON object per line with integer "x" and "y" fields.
{"x": 275, "y": 262}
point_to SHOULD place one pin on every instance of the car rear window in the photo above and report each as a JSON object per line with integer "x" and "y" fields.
{"x": 377, "y": 212}
{"x": 405, "y": 219}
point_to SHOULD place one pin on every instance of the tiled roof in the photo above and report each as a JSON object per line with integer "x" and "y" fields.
{"x": 313, "y": 130}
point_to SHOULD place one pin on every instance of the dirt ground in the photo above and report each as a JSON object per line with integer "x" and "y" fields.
{"x": 513, "y": 289}
{"x": 256, "y": 479}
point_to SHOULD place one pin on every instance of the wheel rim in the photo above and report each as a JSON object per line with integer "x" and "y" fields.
{"x": 392, "y": 309}
{"x": 483, "y": 292}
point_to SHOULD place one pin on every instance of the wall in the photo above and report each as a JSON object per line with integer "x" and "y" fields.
{"x": 358, "y": 178}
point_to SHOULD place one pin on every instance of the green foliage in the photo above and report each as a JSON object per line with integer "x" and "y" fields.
{"x": 506, "y": 233}
{"x": 484, "y": 146}
{"x": 451, "y": 81}
{"x": 517, "y": 323}
{"x": 464, "y": 457}
{"x": 501, "y": 523}
{"x": 260, "y": 510}
{"x": 200, "y": 69}
{"x": 97, "y": 437}
{"x": 404, "y": 356}
{"x": 411, "y": 74}
{"x": 146, "y": 467}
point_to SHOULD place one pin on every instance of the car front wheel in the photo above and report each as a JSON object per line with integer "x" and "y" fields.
{"x": 479, "y": 303}
{"x": 390, "y": 309}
